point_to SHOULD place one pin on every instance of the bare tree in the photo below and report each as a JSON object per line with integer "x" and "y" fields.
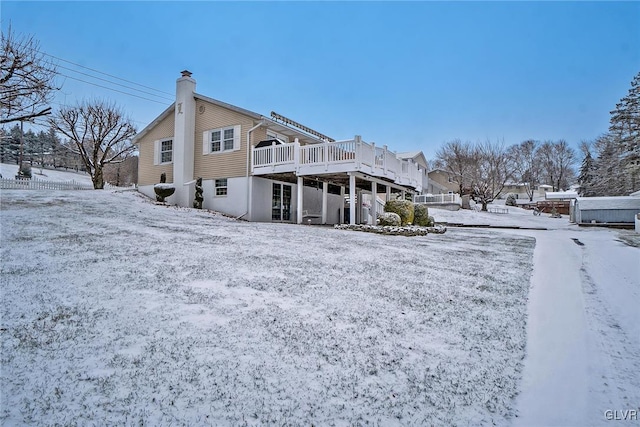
{"x": 27, "y": 79}
{"x": 122, "y": 174}
{"x": 490, "y": 172}
{"x": 456, "y": 158}
{"x": 558, "y": 163}
{"x": 99, "y": 133}
{"x": 526, "y": 165}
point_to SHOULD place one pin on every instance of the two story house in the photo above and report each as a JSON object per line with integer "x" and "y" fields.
{"x": 268, "y": 168}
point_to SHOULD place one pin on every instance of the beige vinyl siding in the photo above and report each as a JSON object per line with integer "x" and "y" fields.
{"x": 258, "y": 135}
{"x": 148, "y": 173}
{"x": 220, "y": 165}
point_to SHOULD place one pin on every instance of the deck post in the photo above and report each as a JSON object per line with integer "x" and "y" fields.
{"x": 273, "y": 155}
{"x": 358, "y": 142}
{"x": 341, "y": 219}
{"x": 325, "y": 191}
{"x": 352, "y": 199}
{"x": 326, "y": 155}
{"x": 388, "y": 196}
{"x": 384, "y": 161}
{"x": 374, "y": 202}
{"x": 296, "y": 155}
{"x": 299, "y": 201}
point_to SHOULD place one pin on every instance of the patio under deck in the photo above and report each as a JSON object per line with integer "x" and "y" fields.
{"x": 346, "y": 163}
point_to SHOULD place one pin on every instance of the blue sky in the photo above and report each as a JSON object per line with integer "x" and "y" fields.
{"x": 411, "y": 75}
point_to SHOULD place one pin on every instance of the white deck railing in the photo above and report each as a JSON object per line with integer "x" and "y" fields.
{"x": 339, "y": 156}
{"x": 437, "y": 198}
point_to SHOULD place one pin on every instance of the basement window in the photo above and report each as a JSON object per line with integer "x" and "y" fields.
{"x": 221, "y": 187}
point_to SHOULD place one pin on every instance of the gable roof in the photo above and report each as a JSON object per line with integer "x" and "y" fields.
{"x": 287, "y": 130}
{"x": 415, "y": 155}
{"x": 249, "y": 113}
{"x": 612, "y": 203}
{"x": 170, "y": 109}
{"x": 440, "y": 170}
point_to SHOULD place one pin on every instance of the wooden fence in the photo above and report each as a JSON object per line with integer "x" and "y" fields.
{"x": 35, "y": 184}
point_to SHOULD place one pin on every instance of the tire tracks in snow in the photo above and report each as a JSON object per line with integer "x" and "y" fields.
{"x": 614, "y": 354}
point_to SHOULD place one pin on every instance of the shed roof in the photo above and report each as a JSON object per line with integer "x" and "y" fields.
{"x": 556, "y": 195}
{"x": 608, "y": 203}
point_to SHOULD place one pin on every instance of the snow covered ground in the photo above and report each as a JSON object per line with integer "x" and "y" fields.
{"x": 116, "y": 311}
{"x": 119, "y": 311}
{"x": 10, "y": 170}
{"x": 583, "y": 324}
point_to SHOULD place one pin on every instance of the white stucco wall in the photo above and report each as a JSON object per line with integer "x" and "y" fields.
{"x": 234, "y": 203}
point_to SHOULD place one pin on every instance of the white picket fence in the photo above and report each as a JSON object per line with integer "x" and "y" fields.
{"x": 36, "y": 184}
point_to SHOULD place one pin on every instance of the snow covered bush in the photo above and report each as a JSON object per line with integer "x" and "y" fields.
{"x": 389, "y": 218}
{"x": 25, "y": 171}
{"x": 403, "y": 208}
{"x": 511, "y": 200}
{"x": 421, "y": 216}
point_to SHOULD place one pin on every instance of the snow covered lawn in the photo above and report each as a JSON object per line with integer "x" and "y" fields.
{"x": 118, "y": 311}
{"x": 9, "y": 171}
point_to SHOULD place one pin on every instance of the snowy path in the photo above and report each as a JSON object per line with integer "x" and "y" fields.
{"x": 583, "y": 345}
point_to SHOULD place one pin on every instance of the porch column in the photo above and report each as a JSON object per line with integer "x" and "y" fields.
{"x": 299, "y": 201}
{"x": 374, "y": 202}
{"x": 341, "y": 219}
{"x": 403, "y": 194}
{"x": 352, "y": 199}
{"x": 388, "y": 193}
{"x": 325, "y": 191}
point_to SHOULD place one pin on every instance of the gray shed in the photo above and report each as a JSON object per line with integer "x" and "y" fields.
{"x": 606, "y": 209}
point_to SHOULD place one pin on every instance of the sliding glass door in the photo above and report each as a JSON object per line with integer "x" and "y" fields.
{"x": 281, "y": 202}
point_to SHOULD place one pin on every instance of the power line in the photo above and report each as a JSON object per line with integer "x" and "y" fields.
{"x": 115, "y": 90}
{"x": 115, "y": 83}
{"x": 106, "y": 74}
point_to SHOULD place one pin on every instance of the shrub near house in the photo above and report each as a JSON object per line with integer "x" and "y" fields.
{"x": 403, "y": 208}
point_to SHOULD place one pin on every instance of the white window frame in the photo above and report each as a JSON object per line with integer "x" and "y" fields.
{"x": 217, "y": 185}
{"x": 207, "y": 141}
{"x": 271, "y": 134}
{"x": 157, "y": 151}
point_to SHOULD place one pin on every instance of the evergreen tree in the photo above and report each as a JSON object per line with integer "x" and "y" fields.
{"x": 586, "y": 179}
{"x": 625, "y": 128}
{"x": 609, "y": 179}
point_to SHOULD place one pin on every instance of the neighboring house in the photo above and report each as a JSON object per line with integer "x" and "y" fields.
{"x": 441, "y": 182}
{"x": 266, "y": 169}
{"x": 519, "y": 190}
{"x": 620, "y": 209}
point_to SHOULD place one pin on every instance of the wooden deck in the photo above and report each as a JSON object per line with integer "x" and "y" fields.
{"x": 337, "y": 157}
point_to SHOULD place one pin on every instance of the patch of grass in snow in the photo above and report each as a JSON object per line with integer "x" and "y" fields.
{"x": 171, "y": 316}
{"x": 629, "y": 238}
